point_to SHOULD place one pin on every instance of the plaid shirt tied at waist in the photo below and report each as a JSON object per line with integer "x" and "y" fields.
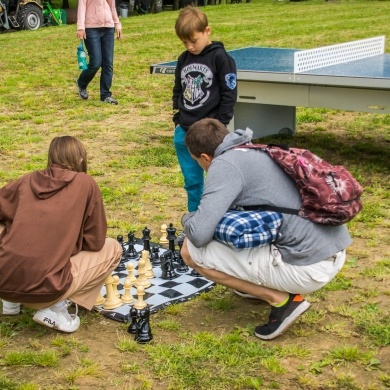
{"x": 248, "y": 229}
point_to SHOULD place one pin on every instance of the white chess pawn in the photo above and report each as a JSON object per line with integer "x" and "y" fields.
{"x": 127, "y": 297}
{"x": 99, "y": 300}
{"x": 142, "y": 280}
{"x": 140, "y": 304}
{"x": 115, "y": 285}
{"x": 148, "y": 265}
{"x": 163, "y": 239}
{"x": 130, "y": 272}
{"x": 112, "y": 301}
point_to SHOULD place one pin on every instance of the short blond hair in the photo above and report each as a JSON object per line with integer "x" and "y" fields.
{"x": 190, "y": 21}
{"x": 69, "y": 153}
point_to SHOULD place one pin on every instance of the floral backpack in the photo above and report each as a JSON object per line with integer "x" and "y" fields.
{"x": 330, "y": 194}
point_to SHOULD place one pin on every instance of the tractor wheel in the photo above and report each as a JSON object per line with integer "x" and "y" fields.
{"x": 30, "y": 17}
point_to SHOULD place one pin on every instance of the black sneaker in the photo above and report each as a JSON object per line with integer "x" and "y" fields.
{"x": 282, "y": 317}
{"x": 110, "y": 100}
{"x": 82, "y": 92}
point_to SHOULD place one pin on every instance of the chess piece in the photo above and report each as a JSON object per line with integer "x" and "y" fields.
{"x": 131, "y": 253}
{"x": 127, "y": 297}
{"x": 115, "y": 285}
{"x": 171, "y": 237}
{"x": 120, "y": 240}
{"x": 167, "y": 270}
{"x": 144, "y": 331}
{"x": 148, "y": 265}
{"x": 130, "y": 272}
{"x": 155, "y": 256}
{"x": 99, "y": 300}
{"x": 182, "y": 267}
{"x": 142, "y": 280}
{"x": 146, "y": 239}
{"x": 133, "y": 325}
{"x": 195, "y": 273}
{"x": 163, "y": 238}
{"x": 112, "y": 301}
{"x": 140, "y": 304}
{"x": 121, "y": 264}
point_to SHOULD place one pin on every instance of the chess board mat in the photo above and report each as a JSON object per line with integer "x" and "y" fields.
{"x": 162, "y": 292}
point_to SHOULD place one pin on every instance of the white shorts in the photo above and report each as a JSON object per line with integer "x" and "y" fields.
{"x": 264, "y": 266}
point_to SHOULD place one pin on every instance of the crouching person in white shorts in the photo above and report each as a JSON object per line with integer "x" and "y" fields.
{"x": 53, "y": 245}
{"x": 304, "y": 257}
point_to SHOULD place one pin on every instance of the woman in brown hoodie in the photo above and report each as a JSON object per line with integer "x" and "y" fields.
{"x": 53, "y": 245}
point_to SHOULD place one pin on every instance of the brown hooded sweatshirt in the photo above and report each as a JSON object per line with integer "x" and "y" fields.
{"x": 50, "y": 215}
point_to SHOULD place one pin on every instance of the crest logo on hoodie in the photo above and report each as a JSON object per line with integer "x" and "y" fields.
{"x": 196, "y": 80}
{"x": 231, "y": 80}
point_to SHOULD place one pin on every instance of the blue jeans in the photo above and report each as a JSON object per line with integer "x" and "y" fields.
{"x": 192, "y": 172}
{"x": 100, "y": 46}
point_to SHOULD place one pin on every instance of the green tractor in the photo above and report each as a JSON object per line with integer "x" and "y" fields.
{"x": 27, "y": 15}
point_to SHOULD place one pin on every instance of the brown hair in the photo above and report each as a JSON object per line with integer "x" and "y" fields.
{"x": 190, "y": 21}
{"x": 205, "y": 136}
{"x": 69, "y": 153}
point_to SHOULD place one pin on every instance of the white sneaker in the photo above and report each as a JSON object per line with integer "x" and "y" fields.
{"x": 58, "y": 318}
{"x": 10, "y": 308}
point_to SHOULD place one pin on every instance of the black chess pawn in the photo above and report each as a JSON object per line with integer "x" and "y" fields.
{"x": 182, "y": 267}
{"x": 144, "y": 331}
{"x": 119, "y": 238}
{"x": 146, "y": 239}
{"x": 131, "y": 253}
{"x": 180, "y": 244}
{"x": 155, "y": 256}
{"x": 195, "y": 273}
{"x": 133, "y": 325}
{"x": 121, "y": 265}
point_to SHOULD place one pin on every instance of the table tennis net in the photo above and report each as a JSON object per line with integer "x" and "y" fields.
{"x": 320, "y": 57}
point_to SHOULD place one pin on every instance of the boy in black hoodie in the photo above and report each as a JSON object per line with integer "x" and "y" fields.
{"x": 205, "y": 87}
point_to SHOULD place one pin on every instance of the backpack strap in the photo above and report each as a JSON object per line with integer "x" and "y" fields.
{"x": 284, "y": 210}
{"x": 263, "y": 148}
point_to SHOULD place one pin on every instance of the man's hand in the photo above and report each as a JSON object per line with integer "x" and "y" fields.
{"x": 118, "y": 34}
{"x": 80, "y": 34}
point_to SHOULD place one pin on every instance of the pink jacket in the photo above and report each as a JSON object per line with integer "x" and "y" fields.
{"x": 97, "y": 13}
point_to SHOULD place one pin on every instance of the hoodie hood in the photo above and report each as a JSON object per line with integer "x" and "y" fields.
{"x": 214, "y": 45}
{"x": 237, "y": 138}
{"x": 46, "y": 183}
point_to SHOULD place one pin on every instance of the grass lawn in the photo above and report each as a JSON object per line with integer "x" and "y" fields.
{"x": 342, "y": 342}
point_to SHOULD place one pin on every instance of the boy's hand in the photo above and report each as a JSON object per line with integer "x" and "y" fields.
{"x": 118, "y": 34}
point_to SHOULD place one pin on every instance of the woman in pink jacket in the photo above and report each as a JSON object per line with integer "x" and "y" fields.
{"x": 97, "y": 24}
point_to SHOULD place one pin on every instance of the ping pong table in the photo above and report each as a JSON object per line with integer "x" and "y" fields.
{"x": 271, "y": 82}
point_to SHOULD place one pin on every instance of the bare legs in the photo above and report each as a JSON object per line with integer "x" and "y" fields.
{"x": 266, "y": 294}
